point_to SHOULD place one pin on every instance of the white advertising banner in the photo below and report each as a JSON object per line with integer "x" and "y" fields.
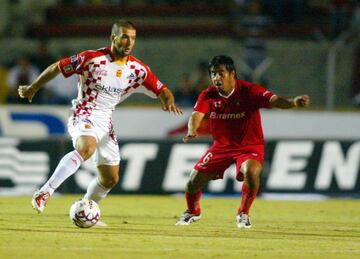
{"x": 37, "y": 122}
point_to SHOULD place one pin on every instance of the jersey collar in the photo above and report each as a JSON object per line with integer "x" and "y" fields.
{"x": 227, "y": 96}
{"x": 112, "y": 57}
{"x": 231, "y": 93}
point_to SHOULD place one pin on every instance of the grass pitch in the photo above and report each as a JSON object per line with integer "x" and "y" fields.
{"x": 143, "y": 227}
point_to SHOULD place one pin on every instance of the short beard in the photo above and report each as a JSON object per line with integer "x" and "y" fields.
{"x": 119, "y": 53}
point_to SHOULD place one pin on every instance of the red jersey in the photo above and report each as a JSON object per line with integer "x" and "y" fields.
{"x": 235, "y": 119}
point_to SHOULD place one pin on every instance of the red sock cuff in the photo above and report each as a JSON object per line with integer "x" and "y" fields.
{"x": 193, "y": 202}
{"x": 247, "y": 198}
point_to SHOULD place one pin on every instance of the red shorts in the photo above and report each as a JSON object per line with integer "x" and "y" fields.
{"x": 218, "y": 158}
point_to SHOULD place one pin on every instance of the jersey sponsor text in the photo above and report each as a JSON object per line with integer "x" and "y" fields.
{"x": 227, "y": 116}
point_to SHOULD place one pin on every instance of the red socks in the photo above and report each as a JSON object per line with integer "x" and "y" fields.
{"x": 247, "y": 198}
{"x": 193, "y": 202}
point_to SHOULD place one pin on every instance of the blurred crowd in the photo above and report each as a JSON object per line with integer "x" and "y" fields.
{"x": 251, "y": 19}
{"x": 191, "y": 85}
{"x": 25, "y": 69}
{"x": 62, "y": 90}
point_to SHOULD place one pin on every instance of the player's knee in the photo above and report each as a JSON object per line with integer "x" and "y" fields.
{"x": 86, "y": 146}
{"x": 86, "y": 151}
{"x": 252, "y": 174}
{"x": 251, "y": 169}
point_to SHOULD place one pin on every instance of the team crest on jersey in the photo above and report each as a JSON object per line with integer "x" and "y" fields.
{"x": 118, "y": 73}
{"x": 217, "y": 104}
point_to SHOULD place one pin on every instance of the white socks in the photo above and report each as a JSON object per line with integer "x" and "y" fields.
{"x": 67, "y": 166}
{"x": 96, "y": 191}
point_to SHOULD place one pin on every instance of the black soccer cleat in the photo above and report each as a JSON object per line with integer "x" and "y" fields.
{"x": 243, "y": 221}
{"x": 187, "y": 218}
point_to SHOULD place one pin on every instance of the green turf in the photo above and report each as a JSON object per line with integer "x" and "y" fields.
{"x": 143, "y": 227}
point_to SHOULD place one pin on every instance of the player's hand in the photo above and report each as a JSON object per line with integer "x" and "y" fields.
{"x": 172, "y": 108}
{"x": 189, "y": 137}
{"x": 302, "y": 101}
{"x": 26, "y": 91}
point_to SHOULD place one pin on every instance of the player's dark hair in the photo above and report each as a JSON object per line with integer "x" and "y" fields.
{"x": 121, "y": 24}
{"x": 219, "y": 60}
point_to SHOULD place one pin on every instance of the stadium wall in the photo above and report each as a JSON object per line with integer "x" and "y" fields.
{"x": 306, "y": 152}
{"x": 39, "y": 122}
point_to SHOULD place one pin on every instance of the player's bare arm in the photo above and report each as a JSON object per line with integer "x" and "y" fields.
{"x": 287, "y": 103}
{"x": 168, "y": 101}
{"x": 28, "y": 91}
{"x": 193, "y": 125}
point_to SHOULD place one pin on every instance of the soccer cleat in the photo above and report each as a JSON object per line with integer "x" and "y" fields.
{"x": 100, "y": 224}
{"x": 39, "y": 200}
{"x": 187, "y": 218}
{"x": 243, "y": 220}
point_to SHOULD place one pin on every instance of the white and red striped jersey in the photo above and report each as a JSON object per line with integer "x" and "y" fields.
{"x": 104, "y": 82}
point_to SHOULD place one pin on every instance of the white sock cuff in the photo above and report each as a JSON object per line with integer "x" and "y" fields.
{"x": 96, "y": 191}
{"x": 78, "y": 156}
{"x": 102, "y": 186}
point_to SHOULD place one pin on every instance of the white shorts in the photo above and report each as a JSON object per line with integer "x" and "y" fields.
{"x": 107, "y": 149}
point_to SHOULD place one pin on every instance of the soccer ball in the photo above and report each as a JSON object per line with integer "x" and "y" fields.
{"x": 84, "y": 213}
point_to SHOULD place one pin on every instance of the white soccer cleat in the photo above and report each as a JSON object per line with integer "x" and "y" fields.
{"x": 100, "y": 224}
{"x": 39, "y": 201}
{"x": 187, "y": 218}
{"x": 243, "y": 221}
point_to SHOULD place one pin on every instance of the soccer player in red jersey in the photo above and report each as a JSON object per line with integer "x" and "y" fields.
{"x": 107, "y": 77}
{"x": 235, "y": 125}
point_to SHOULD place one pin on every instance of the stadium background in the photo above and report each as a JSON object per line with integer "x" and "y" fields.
{"x": 318, "y": 153}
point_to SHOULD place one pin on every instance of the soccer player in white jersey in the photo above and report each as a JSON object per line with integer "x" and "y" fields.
{"x": 107, "y": 76}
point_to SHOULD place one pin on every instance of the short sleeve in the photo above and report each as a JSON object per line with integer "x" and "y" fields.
{"x": 202, "y": 104}
{"x": 73, "y": 65}
{"x": 260, "y": 96}
{"x": 152, "y": 83}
